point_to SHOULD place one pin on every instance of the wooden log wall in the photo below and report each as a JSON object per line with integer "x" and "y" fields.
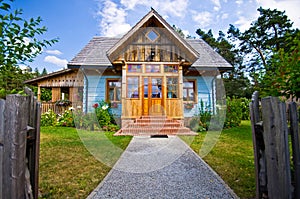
{"x": 19, "y": 144}
{"x": 272, "y": 148}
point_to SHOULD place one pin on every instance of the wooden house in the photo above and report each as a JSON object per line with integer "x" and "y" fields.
{"x": 150, "y": 71}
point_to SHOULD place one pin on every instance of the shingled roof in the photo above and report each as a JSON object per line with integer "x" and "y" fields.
{"x": 95, "y": 54}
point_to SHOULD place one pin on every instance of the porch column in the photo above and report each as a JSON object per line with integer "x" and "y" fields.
{"x": 39, "y": 93}
{"x": 180, "y": 82}
{"x": 123, "y": 94}
{"x": 56, "y": 92}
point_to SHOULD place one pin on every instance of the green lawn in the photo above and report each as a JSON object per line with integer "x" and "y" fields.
{"x": 232, "y": 158}
{"x": 67, "y": 169}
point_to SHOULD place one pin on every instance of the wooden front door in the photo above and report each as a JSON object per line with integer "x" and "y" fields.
{"x": 153, "y": 96}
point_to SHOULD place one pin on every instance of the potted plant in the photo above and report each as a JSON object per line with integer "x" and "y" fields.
{"x": 189, "y": 105}
{"x": 114, "y": 105}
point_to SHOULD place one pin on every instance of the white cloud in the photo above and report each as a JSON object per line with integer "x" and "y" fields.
{"x": 239, "y": 2}
{"x": 113, "y": 20}
{"x": 175, "y": 8}
{"x": 53, "y": 52}
{"x": 203, "y": 19}
{"x": 217, "y": 4}
{"x": 55, "y": 60}
{"x": 224, "y": 16}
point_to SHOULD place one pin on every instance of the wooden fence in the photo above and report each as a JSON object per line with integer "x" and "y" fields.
{"x": 46, "y": 106}
{"x": 274, "y": 127}
{"x": 19, "y": 146}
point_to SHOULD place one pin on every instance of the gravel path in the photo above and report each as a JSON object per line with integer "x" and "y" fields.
{"x": 161, "y": 168}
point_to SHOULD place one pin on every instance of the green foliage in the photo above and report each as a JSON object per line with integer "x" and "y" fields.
{"x": 49, "y": 118}
{"x": 105, "y": 116}
{"x": 46, "y": 94}
{"x": 265, "y": 35}
{"x": 18, "y": 45}
{"x": 200, "y": 122}
{"x": 66, "y": 119}
{"x": 283, "y": 77}
{"x": 234, "y": 113}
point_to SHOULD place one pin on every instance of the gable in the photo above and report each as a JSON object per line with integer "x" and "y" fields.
{"x": 152, "y": 39}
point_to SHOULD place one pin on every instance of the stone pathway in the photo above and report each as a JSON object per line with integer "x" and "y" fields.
{"x": 161, "y": 168}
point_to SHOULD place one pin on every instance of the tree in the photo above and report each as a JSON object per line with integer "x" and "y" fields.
{"x": 284, "y": 78}
{"x": 236, "y": 84}
{"x": 18, "y": 45}
{"x": 272, "y": 47}
{"x": 44, "y": 72}
{"x": 259, "y": 41}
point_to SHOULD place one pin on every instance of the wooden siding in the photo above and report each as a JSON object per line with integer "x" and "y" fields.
{"x": 204, "y": 93}
{"x": 95, "y": 91}
{"x": 72, "y": 79}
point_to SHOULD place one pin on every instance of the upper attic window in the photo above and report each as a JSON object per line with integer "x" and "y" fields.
{"x": 152, "y": 35}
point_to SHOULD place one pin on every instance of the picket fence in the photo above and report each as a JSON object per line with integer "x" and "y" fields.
{"x": 275, "y": 126}
{"x": 19, "y": 146}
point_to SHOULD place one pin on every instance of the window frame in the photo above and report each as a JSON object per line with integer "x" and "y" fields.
{"x": 177, "y": 87}
{"x": 138, "y": 87}
{"x": 115, "y": 90}
{"x": 188, "y": 88}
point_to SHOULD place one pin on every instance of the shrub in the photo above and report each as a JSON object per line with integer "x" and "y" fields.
{"x": 66, "y": 119}
{"x": 105, "y": 116}
{"x": 234, "y": 113}
{"x": 48, "y": 118}
{"x": 201, "y": 121}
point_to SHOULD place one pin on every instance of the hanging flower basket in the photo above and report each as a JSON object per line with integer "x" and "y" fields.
{"x": 114, "y": 105}
{"x": 189, "y": 105}
{"x": 63, "y": 103}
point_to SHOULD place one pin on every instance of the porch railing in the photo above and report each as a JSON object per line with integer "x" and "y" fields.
{"x": 58, "y": 109}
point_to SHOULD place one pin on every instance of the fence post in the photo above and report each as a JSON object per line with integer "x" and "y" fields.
{"x": 2, "y": 108}
{"x": 33, "y": 141}
{"x": 258, "y": 147}
{"x": 295, "y": 138}
{"x": 276, "y": 147}
{"x": 16, "y": 112}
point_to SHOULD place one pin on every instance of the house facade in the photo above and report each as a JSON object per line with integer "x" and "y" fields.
{"x": 150, "y": 71}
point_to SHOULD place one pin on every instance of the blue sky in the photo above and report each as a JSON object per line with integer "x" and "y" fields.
{"x": 75, "y": 22}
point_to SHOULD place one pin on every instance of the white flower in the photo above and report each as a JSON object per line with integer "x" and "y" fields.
{"x": 71, "y": 108}
{"x": 104, "y": 107}
{"x": 79, "y": 107}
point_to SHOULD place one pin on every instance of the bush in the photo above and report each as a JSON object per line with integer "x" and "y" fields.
{"x": 66, "y": 119}
{"x": 105, "y": 116}
{"x": 201, "y": 121}
{"x": 48, "y": 118}
{"x": 234, "y": 113}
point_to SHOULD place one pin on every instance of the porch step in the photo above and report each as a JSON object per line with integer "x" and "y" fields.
{"x": 155, "y": 125}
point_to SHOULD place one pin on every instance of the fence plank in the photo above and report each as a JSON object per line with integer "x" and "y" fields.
{"x": 37, "y": 148}
{"x": 276, "y": 147}
{"x": 15, "y": 145}
{"x": 2, "y": 109}
{"x": 258, "y": 146}
{"x": 295, "y": 138}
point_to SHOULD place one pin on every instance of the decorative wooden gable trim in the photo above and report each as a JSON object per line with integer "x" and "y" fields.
{"x": 155, "y": 26}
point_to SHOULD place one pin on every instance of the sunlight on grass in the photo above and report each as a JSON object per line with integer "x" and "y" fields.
{"x": 232, "y": 158}
{"x": 67, "y": 169}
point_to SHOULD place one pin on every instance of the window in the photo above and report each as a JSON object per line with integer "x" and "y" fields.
{"x": 132, "y": 87}
{"x": 189, "y": 90}
{"x": 172, "y": 87}
{"x": 152, "y": 68}
{"x": 171, "y": 68}
{"x": 134, "y": 68}
{"x": 113, "y": 90}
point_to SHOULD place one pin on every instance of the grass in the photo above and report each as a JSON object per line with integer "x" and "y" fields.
{"x": 67, "y": 168}
{"x": 232, "y": 158}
